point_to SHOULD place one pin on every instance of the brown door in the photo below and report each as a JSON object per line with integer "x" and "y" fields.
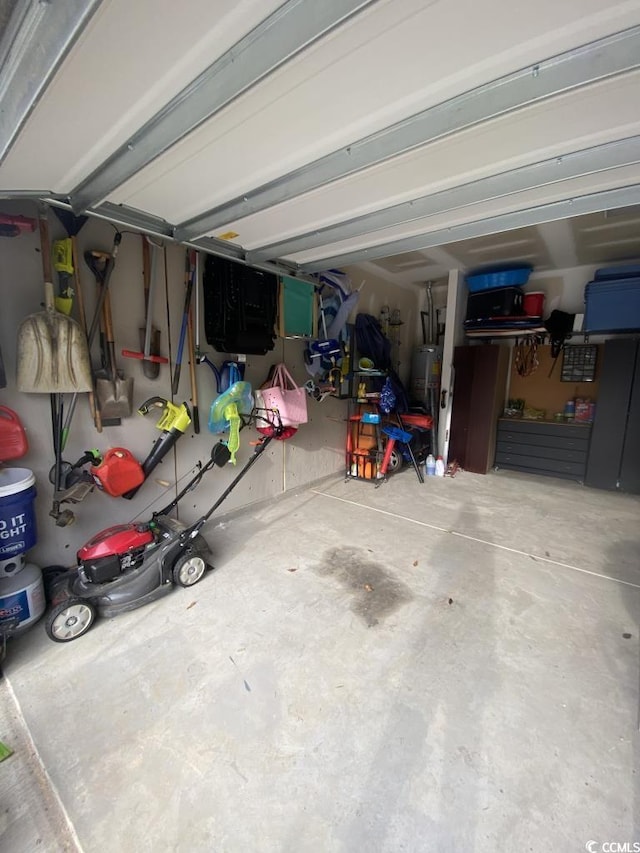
{"x": 478, "y": 400}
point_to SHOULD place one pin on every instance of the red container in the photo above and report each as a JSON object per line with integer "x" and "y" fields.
{"x": 13, "y": 441}
{"x": 119, "y": 472}
{"x": 533, "y": 303}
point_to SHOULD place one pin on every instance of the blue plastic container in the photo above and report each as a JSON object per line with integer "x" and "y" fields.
{"x": 502, "y": 277}
{"x": 18, "y": 530}
{"x": 612, "y": 306}
{"x": 622, "y": 271}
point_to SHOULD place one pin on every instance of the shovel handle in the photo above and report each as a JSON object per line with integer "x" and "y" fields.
{"x": 108, "y": 331}
{"x": 192, "y": 373}
{"x": 45, "y": 247}
{"x": 156, "y": 359}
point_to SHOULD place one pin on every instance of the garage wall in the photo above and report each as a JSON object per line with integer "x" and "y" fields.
{"x": 315, "y": 452}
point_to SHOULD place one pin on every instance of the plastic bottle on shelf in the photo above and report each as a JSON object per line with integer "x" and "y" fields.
{"x": 439, "y": 467}
{"x": 430, "y": 466}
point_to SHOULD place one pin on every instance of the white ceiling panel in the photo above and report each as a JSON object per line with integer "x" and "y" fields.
{"x": 611, "y": 179}
{"x": 600, "y": 113}
{"x": 383, "y": 65}
{"x": 132, "y": 58}
{"x": 177, "y": 118}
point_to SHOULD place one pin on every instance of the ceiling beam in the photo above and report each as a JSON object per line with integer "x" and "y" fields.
{"x": 559, "y": 240}
{"x": 611, "y": 155}
{"x": 286, "y": 32}
{"x": 592, "y": 203}
{"x": 122, "y": 215}
{"x": 578, "y": 67}
{"x": 444, "y": 258}
{"x": 38, "y": 37}
{"x": 392, "y": 278}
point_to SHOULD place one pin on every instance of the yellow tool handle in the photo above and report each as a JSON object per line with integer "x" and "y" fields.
{"x": 63, "y": 256}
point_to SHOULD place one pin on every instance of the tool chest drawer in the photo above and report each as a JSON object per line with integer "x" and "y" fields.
{"x": 542, "y": 447}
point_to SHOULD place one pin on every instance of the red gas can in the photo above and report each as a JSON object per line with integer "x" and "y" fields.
{"x": 13, "y": 441}
{"x": 119, "y": 472}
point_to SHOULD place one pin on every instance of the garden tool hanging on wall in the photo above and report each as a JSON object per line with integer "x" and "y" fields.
{"x": 113, "y": 391}
{"x": 173, "y": 423}
{"x": 189, "y": 278}
{"x": 115, "y": 472}
{"x": 101, "y": 265}
{"x": 52, "y": 357}
{"x": 72, "y": 225}
{"x": 63, "y": 265}
{"x": 191, "y": 340}
{"x": 149, "y": 334}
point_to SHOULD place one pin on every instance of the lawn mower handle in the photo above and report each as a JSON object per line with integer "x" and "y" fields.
{"x": 202, "y": 470}
{"x": 193, "y": 531}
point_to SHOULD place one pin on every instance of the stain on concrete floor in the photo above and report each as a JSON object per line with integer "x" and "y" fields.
{"x": 375, "y": 592}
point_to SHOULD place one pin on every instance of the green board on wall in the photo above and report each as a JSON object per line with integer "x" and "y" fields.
{"x": 297, "y": 308}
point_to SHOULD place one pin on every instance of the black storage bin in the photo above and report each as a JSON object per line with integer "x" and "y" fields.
{"x": 240, "y": 307}
{"x": 500, "y": 302}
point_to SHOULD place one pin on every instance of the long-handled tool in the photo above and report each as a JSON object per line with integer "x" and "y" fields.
{"x": 189, "y": 275}
{"x": 192, "y": 352}
{"x": 115, "y": 392}
{"x": 65, "y": 266}
{"x": 149, "y": 335}
{"x": 101, "y": 265}
{"x": 52, "y": 356}
{"x": 79, "y": 292}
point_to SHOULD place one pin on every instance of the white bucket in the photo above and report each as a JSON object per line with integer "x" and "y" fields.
{"x": 23, "y": 596}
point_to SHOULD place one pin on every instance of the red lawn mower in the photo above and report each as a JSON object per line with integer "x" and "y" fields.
{"x": 126, "y": 566}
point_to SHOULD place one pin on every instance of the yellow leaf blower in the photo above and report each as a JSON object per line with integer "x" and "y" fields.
{"x": 173, "y": 423}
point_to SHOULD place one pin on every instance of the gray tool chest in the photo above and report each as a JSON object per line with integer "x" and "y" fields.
{"x": 543, "y": 447}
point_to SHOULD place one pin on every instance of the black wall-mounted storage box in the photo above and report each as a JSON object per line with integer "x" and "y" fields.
{"x": 501, "y": 302}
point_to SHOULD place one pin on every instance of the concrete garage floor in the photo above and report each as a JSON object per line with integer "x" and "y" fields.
{"x": 445, "y": 667}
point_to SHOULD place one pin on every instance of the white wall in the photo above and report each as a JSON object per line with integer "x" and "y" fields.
{"x": 316, "y": 451}
{"x": 563, "y": 289}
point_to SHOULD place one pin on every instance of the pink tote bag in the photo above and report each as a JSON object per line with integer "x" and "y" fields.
{"x": 285, "y": 396}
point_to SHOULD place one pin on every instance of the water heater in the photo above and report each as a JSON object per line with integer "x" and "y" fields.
{"x": 426, "y": 369}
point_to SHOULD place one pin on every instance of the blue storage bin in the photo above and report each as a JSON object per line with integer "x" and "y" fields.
{"x": 612, "y": 306}
{"x": 499, "y": 277}
{"x": 622, "y": 271}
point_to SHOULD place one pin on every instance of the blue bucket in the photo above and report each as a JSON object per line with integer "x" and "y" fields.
{"x": 17, "y": 516}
